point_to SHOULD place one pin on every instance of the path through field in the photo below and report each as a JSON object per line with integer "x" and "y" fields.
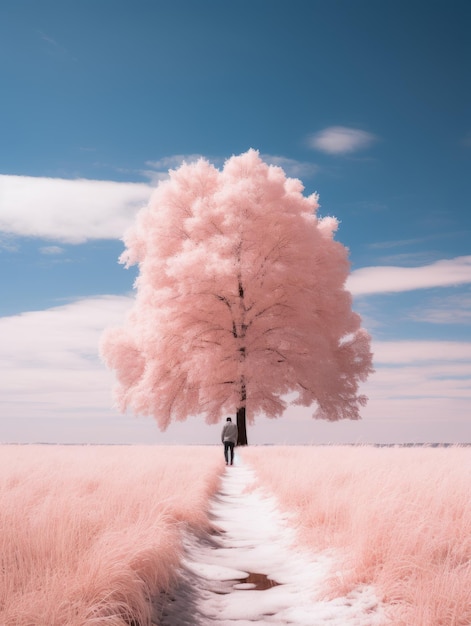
{"x": 250, "y": 573}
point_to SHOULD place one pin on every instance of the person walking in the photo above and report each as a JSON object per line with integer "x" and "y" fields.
{"x": 229, "y": 439}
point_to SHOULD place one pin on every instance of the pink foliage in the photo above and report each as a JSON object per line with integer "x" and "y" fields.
{"x": 401, "y": 518}
{"x": 93, "y": 535}
{"x": 240, "y": 293}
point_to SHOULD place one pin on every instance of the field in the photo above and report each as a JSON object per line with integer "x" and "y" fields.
{"x": 401, "y": 517}
{"x": 91, "y": 535}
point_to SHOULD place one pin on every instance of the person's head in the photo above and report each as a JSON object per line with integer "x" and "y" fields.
{"x": 229, "y": 419}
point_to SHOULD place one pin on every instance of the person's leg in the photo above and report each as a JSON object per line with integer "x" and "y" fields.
{"x": 232, "y": 453}
{"x": 226, "y": 451}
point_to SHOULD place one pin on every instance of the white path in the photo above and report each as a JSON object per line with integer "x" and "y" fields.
{"x": 254, "y": 538}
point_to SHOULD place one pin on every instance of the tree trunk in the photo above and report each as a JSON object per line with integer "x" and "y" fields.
{"x": 241, "y": 427}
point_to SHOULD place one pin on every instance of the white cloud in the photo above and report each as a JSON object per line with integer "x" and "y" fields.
{"x": 420, "y": 392}
{"x": 387, "y": 279}
{"x": 341, "y": 140}
{"x": 65, "y": 335}
{"x": 74, "y": 211}
{"x": 413, "y": 352}
{"x": 49, "y": 364}
{"x": 70, "y": 211}
{"x": 418, "y": 383}
{"x": 54, "y": 388}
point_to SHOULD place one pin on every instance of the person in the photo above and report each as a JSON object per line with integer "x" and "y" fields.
{"x": 229, "y": 439}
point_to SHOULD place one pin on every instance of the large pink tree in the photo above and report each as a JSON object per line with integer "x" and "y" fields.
{"x": 240, "y": 302}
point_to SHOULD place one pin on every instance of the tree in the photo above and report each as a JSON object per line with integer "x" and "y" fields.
{"x": 240, "y": 302}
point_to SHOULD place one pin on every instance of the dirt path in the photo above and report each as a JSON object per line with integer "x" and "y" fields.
{"x": 249, "y": 573}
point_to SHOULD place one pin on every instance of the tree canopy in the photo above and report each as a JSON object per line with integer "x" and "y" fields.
{"x": 240, "y": 301}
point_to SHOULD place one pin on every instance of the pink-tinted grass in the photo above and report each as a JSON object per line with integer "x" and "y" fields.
{"x": 401, "y": 518}
{"x": 92, "y": 535}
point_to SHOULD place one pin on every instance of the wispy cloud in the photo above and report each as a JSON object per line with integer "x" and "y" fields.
{"x": 441, "y": 235}
{"x": 397, "y": 243}
{"x": 49, "y": 40}
{"x": 455, "y": 309}
{"x": 340, "y": 140}
{"x": 71, "y": 211}
{"x": 7, "y": 242}
{"x": 366, "y": 206}
{"x": 292, "y": 167}
{"x": 388, "y": 279}
{"x": 55, "y": 46}
{"x": 174, "y": 161}
{"x": 408, "y": 259}
{"x": 159, "y": 170}
{"x": 51, "y": 250}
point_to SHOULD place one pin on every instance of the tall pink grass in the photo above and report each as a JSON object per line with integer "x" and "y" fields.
{"x": 400, "y": 517}
{"x": 92, "y": 535}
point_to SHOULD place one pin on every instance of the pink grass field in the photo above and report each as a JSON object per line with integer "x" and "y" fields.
{"x": 400, "y": 516}
{"x": 90, "y": 534}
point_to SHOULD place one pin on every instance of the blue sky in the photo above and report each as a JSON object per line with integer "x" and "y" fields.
{"x": 367, "y": 102}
